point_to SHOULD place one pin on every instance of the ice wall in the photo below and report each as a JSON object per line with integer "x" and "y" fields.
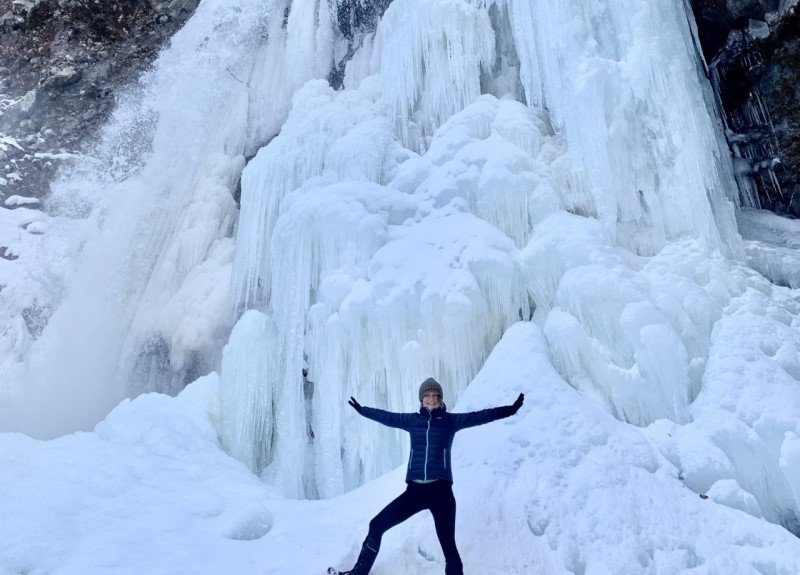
{"x": 343, "y": 292}
{"x": 487, "y": 162}
{"x": 380, "y": 230}
{"x": 490, "y": 162}
{"x": 622, "y": 80}
{"x": 147, "y": 307}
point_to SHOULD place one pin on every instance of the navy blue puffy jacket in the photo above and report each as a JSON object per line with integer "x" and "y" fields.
{"x": 432, "y": 436}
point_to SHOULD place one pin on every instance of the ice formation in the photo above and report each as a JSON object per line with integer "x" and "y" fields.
{"x": 142, "y": 309}
{"x": 487, "y": 162}
{"x": 771, "y": 245}
{"x": 560, "y": 488}
{"x": 602, "y": 121}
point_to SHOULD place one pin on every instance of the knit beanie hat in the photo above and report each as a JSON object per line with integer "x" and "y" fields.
{"x": 430, "y": 384}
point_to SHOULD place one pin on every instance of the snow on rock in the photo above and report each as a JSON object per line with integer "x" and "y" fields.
{"x": 21, "y": 201}
{"x": 8, "y": 141}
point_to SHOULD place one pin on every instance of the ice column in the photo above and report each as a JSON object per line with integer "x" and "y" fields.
{"x": 430, "y": 55}
{"x": 251, "y": 352}
{"x": 621, "y": 80}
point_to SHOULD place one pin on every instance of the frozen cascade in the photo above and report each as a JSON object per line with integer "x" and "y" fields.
{"x": 335, "y": 252}
{"x": 610, "y": 211}
{"x": 487, "y": 162}
{"x": 621, "y": 79}
{"x": 147, "y": 308}
{"x": 250, "y": 353}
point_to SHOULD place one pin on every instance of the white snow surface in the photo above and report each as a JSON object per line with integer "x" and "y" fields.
{"x": 772, "y": 245}
{"x": 508, "y": 195}
{"x": 562, "y": 487}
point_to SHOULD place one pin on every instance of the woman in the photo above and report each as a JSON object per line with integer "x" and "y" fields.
{"x": 429, "y": 478}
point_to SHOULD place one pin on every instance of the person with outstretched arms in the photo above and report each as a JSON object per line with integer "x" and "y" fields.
{"x": 429, "y": 479}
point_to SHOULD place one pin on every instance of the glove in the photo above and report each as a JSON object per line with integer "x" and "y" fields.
{"x": 354, "y": 404}
{"x": 517, "y": 404}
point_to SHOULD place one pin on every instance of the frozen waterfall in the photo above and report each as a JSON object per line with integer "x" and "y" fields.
{"x": 531, "y": 158}
{"x": 486, "y": 162}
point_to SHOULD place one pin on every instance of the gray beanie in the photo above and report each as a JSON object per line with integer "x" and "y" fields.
{"x": 430, "y": 384}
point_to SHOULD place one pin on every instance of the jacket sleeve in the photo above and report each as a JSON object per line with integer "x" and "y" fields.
{"x": 473, "y": 418}
{"x": 388, "y": 418}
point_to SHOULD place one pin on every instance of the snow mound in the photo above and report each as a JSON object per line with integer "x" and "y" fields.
{"x": 560, "y": 488}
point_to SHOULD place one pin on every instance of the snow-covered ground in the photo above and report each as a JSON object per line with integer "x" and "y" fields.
{"x": 511, "y": 196}
{"x": 562, "y": 487}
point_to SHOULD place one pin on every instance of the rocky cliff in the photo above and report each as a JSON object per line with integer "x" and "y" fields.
{"x": 61, "y": 63}
{"x": 753, "y": 51}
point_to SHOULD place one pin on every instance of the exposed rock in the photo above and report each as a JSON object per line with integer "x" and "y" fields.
{"x": 61, "y": 62}
{"x": 62, "y": 77}
{"x": 753, "y": 47}
{"x": 779, "y": 85}
{"x": 356, "y": 19}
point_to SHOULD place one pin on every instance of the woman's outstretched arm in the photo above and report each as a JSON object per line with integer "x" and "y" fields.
{"x": 473, "y": 418}
{"x": 388, "y": 418}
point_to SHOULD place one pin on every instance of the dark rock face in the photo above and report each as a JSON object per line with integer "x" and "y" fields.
{"x": 355, "y": 19}
{"x": 61, "y": 62}
{"x": 753, "y": 47}
{"x": 779, "y": 85}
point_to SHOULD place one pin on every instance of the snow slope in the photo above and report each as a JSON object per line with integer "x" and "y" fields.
{"x": 509, "y": 195}
{"x": 560, "y": 488}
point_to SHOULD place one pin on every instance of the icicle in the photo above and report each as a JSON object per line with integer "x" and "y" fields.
{"x": 431, "y": 55}
{"x": 248, "y": 422}
{"x": 637, "y": 116}
{"x": 335, "y": 248}
{"x": 304, "y": 150}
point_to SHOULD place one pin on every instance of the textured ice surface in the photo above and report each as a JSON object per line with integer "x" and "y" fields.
{"x": 488, "y": 163}
{"x": 560, "y": 488}
{"x": 771, "y": 244}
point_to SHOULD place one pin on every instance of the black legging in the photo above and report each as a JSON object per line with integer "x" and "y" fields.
{"x": 438, "y": 498}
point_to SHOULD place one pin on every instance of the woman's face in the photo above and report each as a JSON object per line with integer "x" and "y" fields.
{"x": 431, "y": 400}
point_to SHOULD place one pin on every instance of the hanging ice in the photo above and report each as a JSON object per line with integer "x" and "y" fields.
{"x": 485, "y": 162}
{"x": 380, "y": 229}
{"x": 148, "y": 306}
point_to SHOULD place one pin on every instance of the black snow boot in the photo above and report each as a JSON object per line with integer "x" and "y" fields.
{"x": 369, "y": 552}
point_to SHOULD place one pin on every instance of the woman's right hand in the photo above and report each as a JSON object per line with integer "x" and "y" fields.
{"x": 354, "y": 404}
